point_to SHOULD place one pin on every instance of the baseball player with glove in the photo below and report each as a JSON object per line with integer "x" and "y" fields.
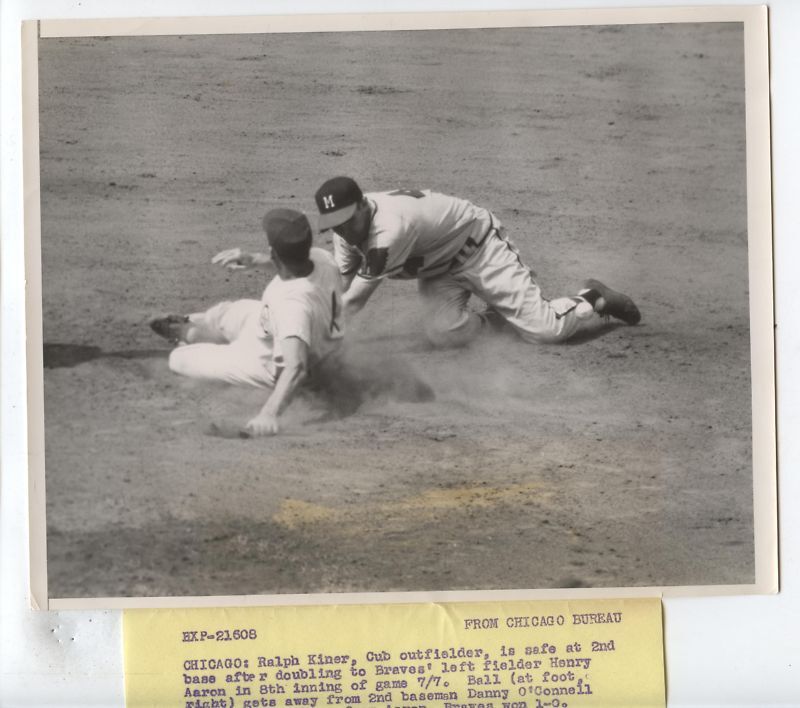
{"x": 453, "y": 249}
{"x": 275, "y": 343}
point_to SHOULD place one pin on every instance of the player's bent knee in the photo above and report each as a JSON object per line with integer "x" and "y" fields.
{"x": 198, "y": 361}
{"x": 192, "y": 361}
{"x": 446, "y": 335}
{"x": 178, "y": 361}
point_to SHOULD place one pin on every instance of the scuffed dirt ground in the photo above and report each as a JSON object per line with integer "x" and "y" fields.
{"x": 615, "y": 153}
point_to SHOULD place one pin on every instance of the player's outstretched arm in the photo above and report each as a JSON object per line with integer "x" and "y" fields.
{"x": 238, "y": 259}
{"x": 358, "y": 293}
{"x": 295, "y": 368}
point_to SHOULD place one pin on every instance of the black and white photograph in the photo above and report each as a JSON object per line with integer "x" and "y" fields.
{"x": 403, "y": 310}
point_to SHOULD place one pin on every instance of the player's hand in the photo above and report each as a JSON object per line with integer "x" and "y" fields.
{"x": 234, "y": 259}
{"x": 262, "y": 425}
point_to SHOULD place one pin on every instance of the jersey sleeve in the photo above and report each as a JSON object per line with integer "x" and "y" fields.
{"x": 347, "y": 258}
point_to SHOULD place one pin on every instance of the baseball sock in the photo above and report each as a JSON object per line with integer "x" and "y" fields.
{"x": 589, "y": 295}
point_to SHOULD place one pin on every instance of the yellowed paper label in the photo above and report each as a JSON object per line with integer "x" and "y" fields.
{"x": 544, "y": 654}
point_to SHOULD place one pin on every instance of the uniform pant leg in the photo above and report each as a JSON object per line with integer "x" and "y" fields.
{"x": 496, "y": 274}
{"x": 223, "y": 322}
{"x": 234, "y": 351}
{"x": 448, "y": 322}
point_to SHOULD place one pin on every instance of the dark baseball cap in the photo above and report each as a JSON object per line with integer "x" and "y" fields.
{"x": 337, "y": 200}
{"x": 288, "y": 232}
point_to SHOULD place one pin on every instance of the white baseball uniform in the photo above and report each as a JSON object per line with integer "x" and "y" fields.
{"x": 309, "y": 308}
{"x": 239, "y": 342}
{"x": 456, "y": 249}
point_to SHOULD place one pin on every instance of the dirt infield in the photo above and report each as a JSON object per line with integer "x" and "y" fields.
{"x": 611, "y": 152}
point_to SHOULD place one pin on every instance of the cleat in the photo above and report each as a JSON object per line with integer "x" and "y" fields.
{"x": 170, "y": 327}
{"x": 613, "y": 303}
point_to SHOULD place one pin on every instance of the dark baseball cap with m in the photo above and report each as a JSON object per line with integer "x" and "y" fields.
{"x": 337, "y": 201}
{"x": 288, "y": 233}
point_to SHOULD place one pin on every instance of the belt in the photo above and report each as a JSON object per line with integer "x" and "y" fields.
{"x": 471, "y": 245}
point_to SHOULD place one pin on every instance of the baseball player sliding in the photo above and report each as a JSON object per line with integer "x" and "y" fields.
{"x": 273, "y": 343}
{"x": 454, "y": 249}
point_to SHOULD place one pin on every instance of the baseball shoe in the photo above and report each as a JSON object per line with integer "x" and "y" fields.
{"x": 170, "y": 327}
{"x": 613, "y": 303}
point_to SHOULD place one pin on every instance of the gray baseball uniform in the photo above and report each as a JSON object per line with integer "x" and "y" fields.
{"x": 456, "y": 249}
